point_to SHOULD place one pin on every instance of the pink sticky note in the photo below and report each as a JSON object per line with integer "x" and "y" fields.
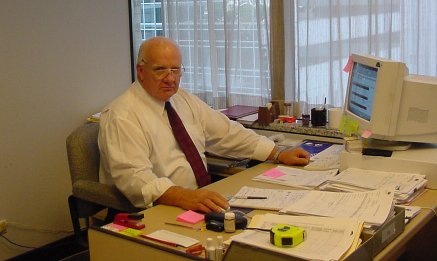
{"x": 190, "y": 217}
{"x": 366, "y": 134}
{"x": 114, "y": 227}
{"x": 348, "y": 66}
{"x": 274, "y": 173}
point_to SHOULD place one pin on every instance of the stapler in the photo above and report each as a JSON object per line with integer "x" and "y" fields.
{"x": 129, "y": 220}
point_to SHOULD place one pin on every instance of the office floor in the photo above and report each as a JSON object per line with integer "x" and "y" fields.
{"x": 423, "y": 245}
{"x": 62, "y": 250}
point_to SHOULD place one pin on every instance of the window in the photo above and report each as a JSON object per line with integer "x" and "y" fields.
{"x": 323, "y": 34}
{"x": 224, "y": 45}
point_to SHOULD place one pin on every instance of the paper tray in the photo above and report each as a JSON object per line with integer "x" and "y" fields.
{"x": 372, "y": 244}
{"x": 379, "y": 239}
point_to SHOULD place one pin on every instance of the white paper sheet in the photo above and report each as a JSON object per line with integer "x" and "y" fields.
{"x": 294, "y": 177}
{"x": 276, "y": 199}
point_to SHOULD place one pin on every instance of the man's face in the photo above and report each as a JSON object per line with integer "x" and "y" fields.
{"x": 160, "y": 74}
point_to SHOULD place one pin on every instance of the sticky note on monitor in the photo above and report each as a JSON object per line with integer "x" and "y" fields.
{"x": 348, "y": 126}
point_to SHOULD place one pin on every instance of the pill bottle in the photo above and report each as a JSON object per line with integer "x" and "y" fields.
{"x": 210, "y": 249}
{"x": 219, "y": 249}
{"x": 230, "y": 222}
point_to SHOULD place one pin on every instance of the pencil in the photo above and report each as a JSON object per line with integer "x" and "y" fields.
{"x": 251, "y": 197}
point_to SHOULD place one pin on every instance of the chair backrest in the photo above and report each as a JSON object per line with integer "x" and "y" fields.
{"x": 83, "y": 152}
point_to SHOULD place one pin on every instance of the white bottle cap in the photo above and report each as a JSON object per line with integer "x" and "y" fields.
{"x": 229, "y": 215}
{"x": 209, "y": 242}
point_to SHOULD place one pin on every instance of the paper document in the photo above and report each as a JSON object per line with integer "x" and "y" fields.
{"x": 373, "y": 207}
{"x": 410, "y": 212}
{"x": 326, "y": 238}
{"x": 166, "y": 236}
{"x": 294, "y": 177}
{"x": 272, "y": 199}
{"x": 406, "y": 185}
{"x": 326, "y": 159}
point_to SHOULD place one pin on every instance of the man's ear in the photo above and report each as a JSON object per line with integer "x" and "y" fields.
{"x": 140, "y": 71}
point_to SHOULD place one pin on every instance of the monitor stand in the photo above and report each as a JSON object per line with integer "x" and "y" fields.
{"x": 389, "y": 145}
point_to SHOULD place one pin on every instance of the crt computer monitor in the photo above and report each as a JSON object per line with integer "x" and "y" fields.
{"x": 389, "y": 102}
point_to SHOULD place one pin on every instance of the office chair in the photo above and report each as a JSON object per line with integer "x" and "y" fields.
{"x": 89, "y": 196}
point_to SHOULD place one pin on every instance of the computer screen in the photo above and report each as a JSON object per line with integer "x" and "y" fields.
{"x": 389, "y": 103}
{"x": 362, "y": 90}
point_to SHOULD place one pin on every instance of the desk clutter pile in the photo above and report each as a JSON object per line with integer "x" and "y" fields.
{"x": 336, "y": 224}
{"x": 343, "y": 215}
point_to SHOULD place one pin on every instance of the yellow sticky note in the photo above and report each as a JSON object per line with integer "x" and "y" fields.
{"x": 348, "y": 126}
{"x": 131, "y": 232}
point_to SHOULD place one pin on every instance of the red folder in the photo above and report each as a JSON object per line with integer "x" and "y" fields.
{"x": 238, "y": 111}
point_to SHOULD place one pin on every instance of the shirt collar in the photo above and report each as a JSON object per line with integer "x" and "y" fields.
{"x": 155, "y": 104}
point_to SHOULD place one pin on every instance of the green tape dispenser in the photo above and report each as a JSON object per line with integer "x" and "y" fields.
{"x": 283, "y": 235}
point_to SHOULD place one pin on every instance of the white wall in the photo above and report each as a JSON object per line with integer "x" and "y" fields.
{"x": 60, "y": 61}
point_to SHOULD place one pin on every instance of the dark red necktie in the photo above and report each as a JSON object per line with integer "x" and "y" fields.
{"x": 187, "y": 146}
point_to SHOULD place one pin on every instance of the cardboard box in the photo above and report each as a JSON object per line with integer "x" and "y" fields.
{"x": 373, "y": 243}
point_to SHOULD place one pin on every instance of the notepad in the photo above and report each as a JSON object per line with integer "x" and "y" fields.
{"x": 190, "y": 217}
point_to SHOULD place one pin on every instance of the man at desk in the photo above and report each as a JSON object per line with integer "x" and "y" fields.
{"x": 140, "y": 152}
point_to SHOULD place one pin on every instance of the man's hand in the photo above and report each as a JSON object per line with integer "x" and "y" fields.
{"x": 200, "y": 199}
{"x": 295, "y": 156}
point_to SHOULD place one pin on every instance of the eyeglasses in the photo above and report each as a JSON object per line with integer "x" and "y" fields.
{"x": 161, "y": 72}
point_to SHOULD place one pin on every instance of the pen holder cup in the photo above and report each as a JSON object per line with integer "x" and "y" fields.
{"x": 318, "y": 117}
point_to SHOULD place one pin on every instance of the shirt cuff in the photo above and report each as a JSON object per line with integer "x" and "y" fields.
{"x": 153, "y": 190}
{"x": 263, "y": 149}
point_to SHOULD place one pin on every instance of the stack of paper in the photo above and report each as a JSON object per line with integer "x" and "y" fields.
{"x": 326, "y": 238}
{"x": 373, "y": 207}
{"x": 293, "y": 177}
{"x": 407, "y": 185}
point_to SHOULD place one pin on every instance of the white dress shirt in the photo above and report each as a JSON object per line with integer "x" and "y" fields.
{"x": 139, "y": 154}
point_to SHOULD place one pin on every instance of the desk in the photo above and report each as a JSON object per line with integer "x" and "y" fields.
{"x": 105, "y": 246}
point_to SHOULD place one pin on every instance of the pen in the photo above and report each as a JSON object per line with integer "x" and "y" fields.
{"x": 160, "y": 240}
{"x": 251, "y": 197}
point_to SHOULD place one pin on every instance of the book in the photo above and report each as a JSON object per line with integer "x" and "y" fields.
{"x": 238, "y": 111}
{"x": 315, "y": 147}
